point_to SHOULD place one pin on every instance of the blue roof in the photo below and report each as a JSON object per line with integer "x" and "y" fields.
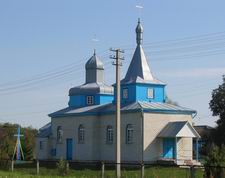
{"x": 45, "y": 131}
{"x": 131, "y": 107}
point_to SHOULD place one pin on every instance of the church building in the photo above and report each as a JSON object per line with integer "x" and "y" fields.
{"x": 151, "y": 129}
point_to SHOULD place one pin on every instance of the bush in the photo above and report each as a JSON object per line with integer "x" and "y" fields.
{"x": 215, "y": 162}
{"x": 5, "y": 164}
{"x": 62, "y": 167}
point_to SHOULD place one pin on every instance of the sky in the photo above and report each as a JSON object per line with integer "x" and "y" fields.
{"x": 44, "y": 45}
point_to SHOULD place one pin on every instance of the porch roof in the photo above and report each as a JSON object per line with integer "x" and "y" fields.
{"x": 178, "y": 129}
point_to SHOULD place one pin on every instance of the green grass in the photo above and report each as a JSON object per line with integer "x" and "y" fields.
{"x": 153, "y": 172}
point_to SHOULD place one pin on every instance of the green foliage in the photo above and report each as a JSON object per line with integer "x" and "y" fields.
{"x": 8, "y": 141}
{"x": 217, "y": 105}
{"x": 214, "y": 161}
{"x": 62, "y": 167}
{"x": 28, "y": 143}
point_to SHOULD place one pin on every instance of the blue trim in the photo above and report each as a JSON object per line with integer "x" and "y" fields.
{"x": 140, "y": 83}
{"x": 197, "y": 150}
{"x": 139, "y": 92}
{"x": 81, "y": 100}
{"x": 197, "y": 145}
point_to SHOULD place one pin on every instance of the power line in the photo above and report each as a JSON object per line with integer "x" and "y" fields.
{"x": 74, "y": 65}
{"x": 71, "y": 68}
{"x": 160, "y": 42}
{"x": 196, "y": 38}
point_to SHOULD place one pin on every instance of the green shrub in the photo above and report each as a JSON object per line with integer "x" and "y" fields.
{"x": 215, "y": 161}
{"x": 62, "y": 167}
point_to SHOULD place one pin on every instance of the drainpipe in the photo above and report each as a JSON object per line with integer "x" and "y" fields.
{"x": 194, "y": 115}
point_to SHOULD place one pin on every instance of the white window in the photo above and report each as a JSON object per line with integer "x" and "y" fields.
{"x": 129, "y": 134}
{"x": 125, "y": 93}
{"x": 90, "y": 100}
{"x": 109, "y": 134}
{"x": 150, "y": 93}
{"x": 59, "y": 134}
{"x": 81, "y": 134}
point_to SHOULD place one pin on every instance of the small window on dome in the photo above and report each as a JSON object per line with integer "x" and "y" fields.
{"x": 90, "y": 100}
{"x": 150, "y": 93}
{"x": 125, "y": 93}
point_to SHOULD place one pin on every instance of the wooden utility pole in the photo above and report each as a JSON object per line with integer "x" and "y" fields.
{"x": 118, "y": 64}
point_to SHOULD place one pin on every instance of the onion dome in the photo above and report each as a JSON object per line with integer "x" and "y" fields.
{"x": 94, "y": 63}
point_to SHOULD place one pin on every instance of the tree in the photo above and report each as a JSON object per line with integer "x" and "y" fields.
{"x": 28, "y": 142}
{"x": 8, "y": 141}
{"x": 214, "y": 161}
{"x": 217, "y": 106}
{"x": 170, "y": 101}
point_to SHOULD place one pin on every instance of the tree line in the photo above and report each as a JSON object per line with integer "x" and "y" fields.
{"x": 215, "y": 146}
{"x": 8, "y": 141}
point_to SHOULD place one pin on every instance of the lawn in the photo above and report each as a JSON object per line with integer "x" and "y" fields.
{"x": 153, "y": 172}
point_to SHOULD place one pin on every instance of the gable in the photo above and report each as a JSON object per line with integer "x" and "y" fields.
{"x": 186, "y": 131}
{"x": 178, "y": 129}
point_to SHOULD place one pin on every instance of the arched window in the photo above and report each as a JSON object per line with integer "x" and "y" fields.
{"x": 81, "y": 134}
{"x": 59, "y": 134}
{"x": 109, "y": 134}
{"x": 129, "y": 133}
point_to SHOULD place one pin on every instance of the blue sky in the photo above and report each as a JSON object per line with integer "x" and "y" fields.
{"x": 44, "y": 45}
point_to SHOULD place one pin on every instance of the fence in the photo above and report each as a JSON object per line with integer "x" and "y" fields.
{"x": 107, "y": 170}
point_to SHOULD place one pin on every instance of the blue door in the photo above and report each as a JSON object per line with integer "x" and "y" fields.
{"x": 69, "y": 148}
{"x": 168, "y": 147}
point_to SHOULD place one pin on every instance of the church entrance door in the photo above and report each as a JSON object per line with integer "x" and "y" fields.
{"x": 69, "y": 148}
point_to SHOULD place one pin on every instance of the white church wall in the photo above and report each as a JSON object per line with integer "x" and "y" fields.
{"x": 81, "y": 151}
{"x": 184, "y": 149}
{"x": 95, "y": 146}
{"x": 153, "y": 124}
{"x": 42, "y": 152}
{"x": 129, "y": 152}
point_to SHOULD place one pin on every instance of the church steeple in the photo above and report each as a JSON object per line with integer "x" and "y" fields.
{"x": 139, "y": 33}
{"x": 139, "y": 83}
{"x": 139, "y": 70}
{"x": 94, "y": 91}
{"x": 94, "y": 70}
